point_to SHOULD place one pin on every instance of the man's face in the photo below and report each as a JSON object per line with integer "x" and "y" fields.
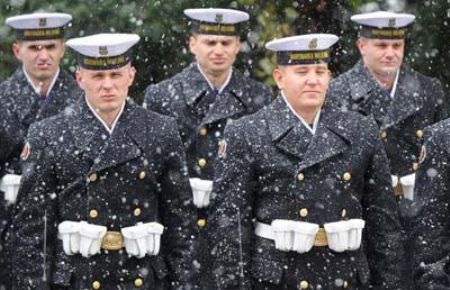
{"x": 40, "y": 58}
{"x": 215, "y": 53}
{"x": 304, "y": 86}
{"x": 382, "y": 56}
{"x": 106, "y": 90}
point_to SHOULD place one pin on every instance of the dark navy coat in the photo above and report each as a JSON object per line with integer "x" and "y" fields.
{"x": 20, "y": 107}
{"x": 136, "y": 174}
{"x": 418, "y": 103}
{"x": 25, "y": 106}
{"x": 274, "y": 168}
{"x": 431, "y": 226}
{"x": 184, "y": 96}
{"x": 202, "y": 117}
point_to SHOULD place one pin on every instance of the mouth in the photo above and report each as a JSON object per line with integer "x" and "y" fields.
{"x": 218, "y": 61}
{"x": 43, "y": 66}
{"x": 108, "y": 97}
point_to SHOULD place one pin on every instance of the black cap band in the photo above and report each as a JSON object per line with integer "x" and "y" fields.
{"x": 303, "y": 57}
{"x": 40, "y": 34}
{"x": 383, "y": 33}
{"x": 104, "y": 63}
{"x": 213, "y": 28}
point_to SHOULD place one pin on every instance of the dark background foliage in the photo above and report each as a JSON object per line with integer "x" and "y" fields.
{"x": 162, "y": 51}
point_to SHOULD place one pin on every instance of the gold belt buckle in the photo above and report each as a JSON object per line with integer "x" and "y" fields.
{"x": 112, "y": 241}
{"x": 321, "y": 238}
{"x": 398, "y": 189}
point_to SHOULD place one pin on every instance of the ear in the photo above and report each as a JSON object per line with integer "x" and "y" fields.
{"x": 361, "y": 44}
{"x": 63, "y": 50}
{"x": 79, "y": 78}
{"x": 192, "y": 44}
{"x": 131, "y": 74}
{"x": 16, "y": 50}
{"x": 238, "y": 45}
{"x": 278, "y": 77}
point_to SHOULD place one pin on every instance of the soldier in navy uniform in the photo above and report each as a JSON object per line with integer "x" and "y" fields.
{"x": 403, "y": 102}
{"x": 105, "y": 201}
{"x": 303, "y": 196}
{"x": 203, "y": 98}
{"x": 430, "y": 227}
{"x": 38, "y": 89}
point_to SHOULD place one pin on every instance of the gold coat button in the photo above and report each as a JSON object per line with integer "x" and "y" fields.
{"x": 419, "y": 134}
{"x": 93, "y": 177}
{"x": 142, "y": 175}
{"x": 96, "y": 285}
{"x": 347, "y": 176}
{"x": 344, "y": 213}
{"x": 304, "y": 284}
{"x": 202, "y": 162}
{"x": 93, "y": 213}
{"x": 415, "y": 166}
{"x": 137, "y": 211}
{"x": 300, "y": 176}
{"x": 138, "y": 282}
{"x": 383, "y": 134}
{"x": 345, "y": 285}
{"x": 203, "y": 132}
{"x": 201, "y": 223}
{"x": 303, "y": 212}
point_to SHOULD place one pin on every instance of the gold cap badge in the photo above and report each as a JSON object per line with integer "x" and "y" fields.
{"x": 313, "y": 43}
{"x": 103, "y": 50}
{"x": 219, "y": 18}
{"x": 391, "y": 22}
{"x": 42, "y": 22}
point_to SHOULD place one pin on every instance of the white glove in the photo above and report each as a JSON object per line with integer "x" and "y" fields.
{"x": 201, "y": 191}
{"x": 394, "y": 179}
{"x": 344, "y": 235}
{"x": 68, "y": 232}
{"x": 337, "y": 235}
{"x": 355, "y": 235}
{"x": 407, "y": 182}
{"x": 283, "y": 234}
{"x": 91, "y": 237}
{"x": 143, "y": 239}
{"x": 304, "y": 236}
{"x": 9, "y": 184}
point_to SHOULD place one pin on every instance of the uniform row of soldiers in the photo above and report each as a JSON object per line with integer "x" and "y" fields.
{"x": 215, "y": 183}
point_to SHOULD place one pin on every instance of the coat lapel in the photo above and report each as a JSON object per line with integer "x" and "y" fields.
{"x": 63, "y": 94}
{"x": 120, "y": 147}
{"x": 291, "y": 136}
{"x": 329, "y": 140}
{"x": 95, "y": 144}
{"x": 407, "y": 99}
{"x": 28, "y": 102}
{"x": 88, "y": 133}
{"x": 288, "y": 134}
{"x": 369, "y": 97}
{"x": 228, "y": 103}
{"x": 195, "y": 88}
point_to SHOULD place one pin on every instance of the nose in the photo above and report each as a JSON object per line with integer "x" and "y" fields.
{"x": 390, "y": 52}
{"x": 107, "y": 83}
{"x": 43, "y": 54}
{"x": 311, "y": 78}
{"x": 219, "y": 49}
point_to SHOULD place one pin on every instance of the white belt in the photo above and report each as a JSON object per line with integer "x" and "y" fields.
{"x": 302, "y": 236}
{"x": 9, "y": 184}
{"x": 87, "y": 239}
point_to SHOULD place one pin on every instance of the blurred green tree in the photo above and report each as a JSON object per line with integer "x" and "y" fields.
{"x": 162, "y": 51}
